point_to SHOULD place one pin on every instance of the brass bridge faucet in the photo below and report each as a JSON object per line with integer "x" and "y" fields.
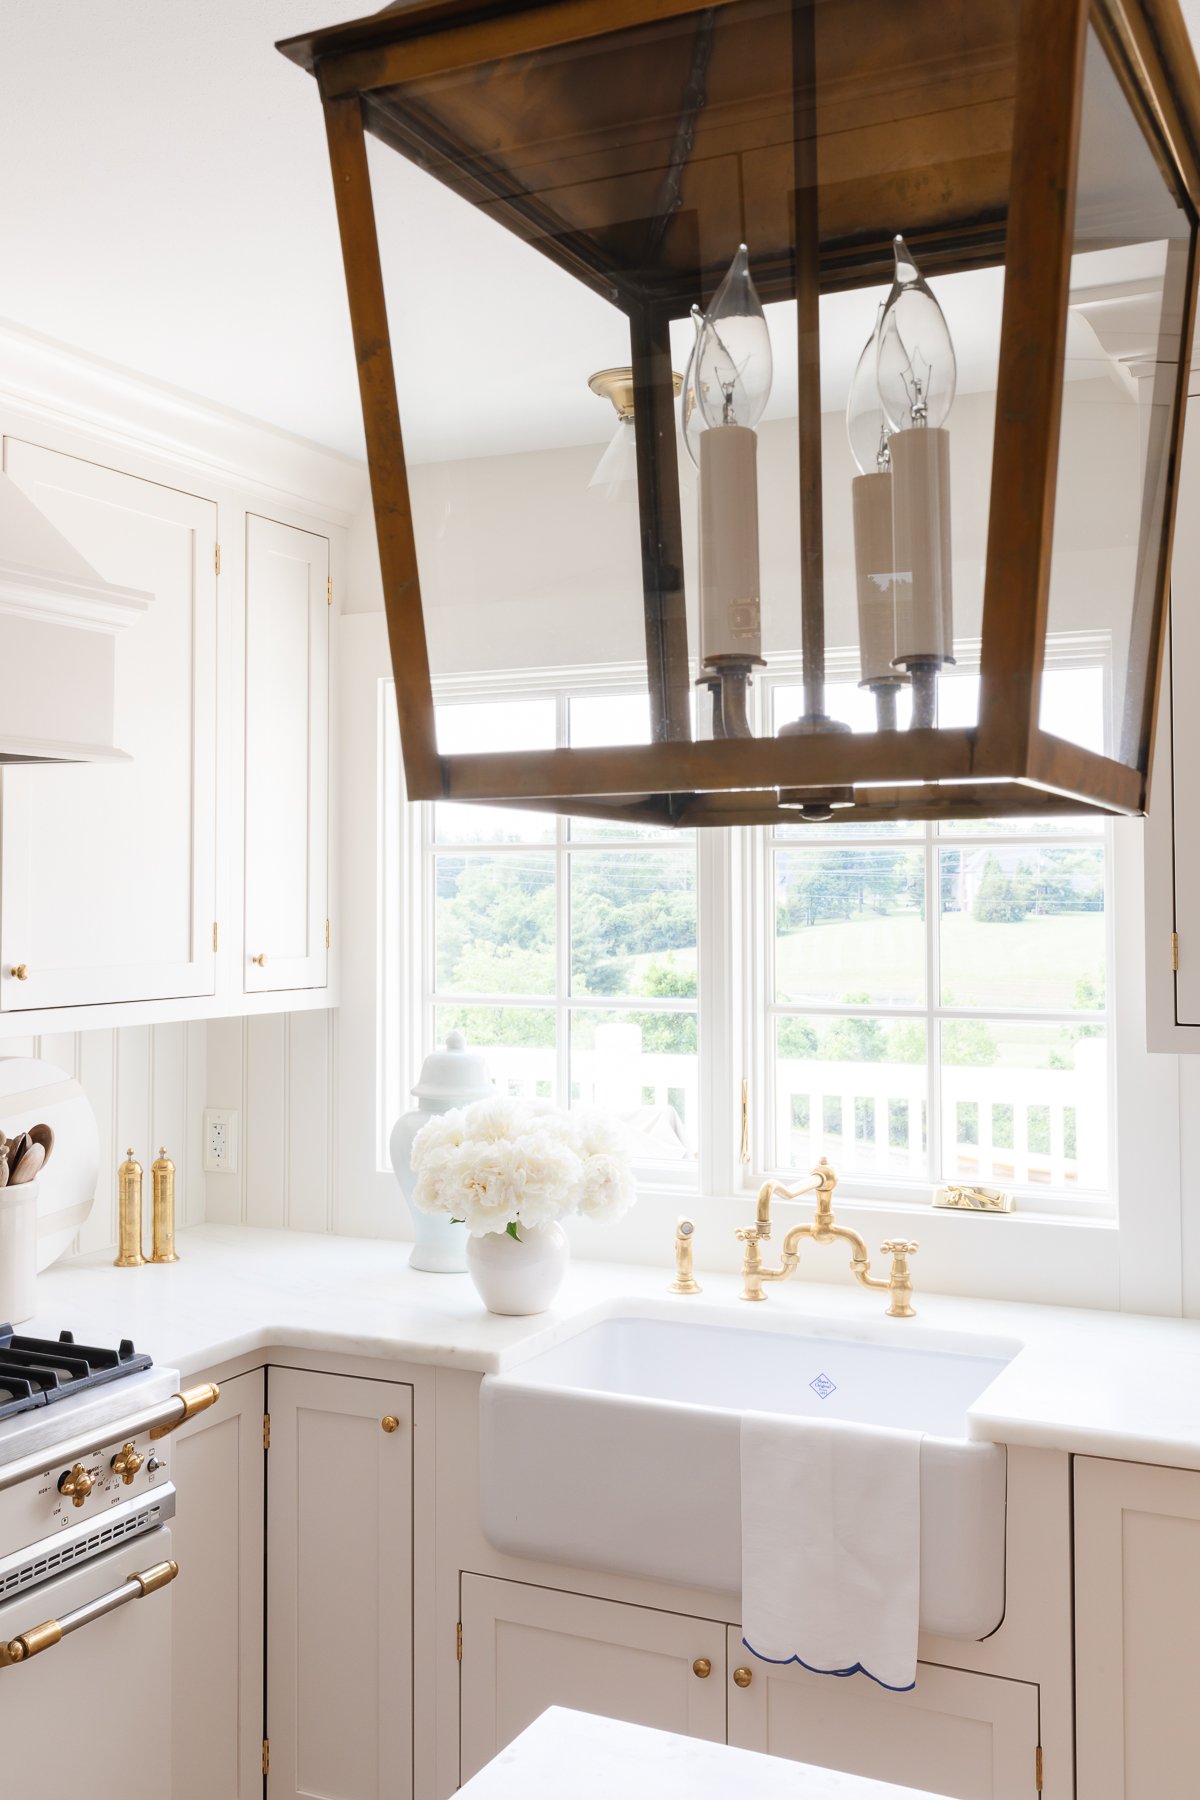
{"x": 822, "y": 1230}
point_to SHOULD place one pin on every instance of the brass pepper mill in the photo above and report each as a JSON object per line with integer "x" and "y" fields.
{"x": 162, "y": 1175}
{"x": 129, "y": 1214}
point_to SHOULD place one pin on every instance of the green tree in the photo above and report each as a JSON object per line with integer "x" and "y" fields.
{"x": 797, "y": 1039}
{"x": 967, "y": 1043}
{"x": 1001, "y": 899}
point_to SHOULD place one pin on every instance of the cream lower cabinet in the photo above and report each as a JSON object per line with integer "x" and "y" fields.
{"x": 526, "y": 1648}
{"x": 339, "y": 1587}
{"x": 1137, "y": 1630}
{"x": 971, "y": 1736}
{"x": 217, "y": 1635}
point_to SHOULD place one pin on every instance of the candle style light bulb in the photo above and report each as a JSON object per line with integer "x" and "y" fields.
{"x": 874, "y": 554}
{"x": 866, "y": 426}
{"x": 916, "y": 376}
{"x": 728, "y": 387}
{"x": 691, "y": 418}
{"x": 733, "y": 353}
{"x": 915, "y": 370}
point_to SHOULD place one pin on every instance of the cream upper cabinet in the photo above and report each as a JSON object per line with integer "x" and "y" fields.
{"x": 217, "y": 1623}
{"x": 339, "y": 1587}
{"x": 971, "y": 1736}
{"x": 1173, "y": 825}
{"x": 287, "y": 757}
{"x": 526, "y": 1648}
{"x": 108, "y": 884}
{"x": 1137, "y": 1629}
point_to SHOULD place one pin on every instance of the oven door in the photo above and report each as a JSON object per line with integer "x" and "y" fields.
{"x": 95, "y": 1703}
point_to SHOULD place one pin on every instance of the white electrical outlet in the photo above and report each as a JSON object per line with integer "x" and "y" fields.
{"x": 220, "y": 1141}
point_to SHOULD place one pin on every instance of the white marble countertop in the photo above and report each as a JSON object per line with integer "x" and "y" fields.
{"x": 591, "y": 1758}
{"x": 1106, "y": 1384}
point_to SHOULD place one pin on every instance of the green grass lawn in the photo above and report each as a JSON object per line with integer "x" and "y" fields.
{"x": 1035, "y": 963}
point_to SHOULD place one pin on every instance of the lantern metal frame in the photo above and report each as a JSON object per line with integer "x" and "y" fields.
{"x": 1006, "y": 764}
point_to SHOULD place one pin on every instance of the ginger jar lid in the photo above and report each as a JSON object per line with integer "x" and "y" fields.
{"x": 455, "y": 1073}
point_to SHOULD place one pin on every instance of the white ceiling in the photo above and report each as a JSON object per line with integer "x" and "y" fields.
{"x": 166, "y": 206}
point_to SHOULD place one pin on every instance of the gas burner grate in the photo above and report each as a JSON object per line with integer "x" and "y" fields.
{"x": 39, "y": 1371}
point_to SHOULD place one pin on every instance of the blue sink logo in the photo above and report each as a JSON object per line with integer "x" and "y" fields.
{"x": 822, "y": 1387}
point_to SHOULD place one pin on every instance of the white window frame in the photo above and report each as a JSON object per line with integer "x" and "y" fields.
{"x": 1076, "y": 650}
{"x": 1065, "y": 1258}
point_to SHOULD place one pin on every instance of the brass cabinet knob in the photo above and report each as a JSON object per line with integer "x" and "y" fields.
{"x": 260, "y": 961}
{"x": 702, "y": 1667}
{"x": 76, "y": 1484}
{"x": 743, "y": 1677}
{"x": 21, "y": 971}
{"x": 390, "y": 1422}
{"x": 126, "y": 1463}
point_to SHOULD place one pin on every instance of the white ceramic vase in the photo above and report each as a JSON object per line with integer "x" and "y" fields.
{"x": 451, "y": 1077}
{"x": 519, "y": 1275}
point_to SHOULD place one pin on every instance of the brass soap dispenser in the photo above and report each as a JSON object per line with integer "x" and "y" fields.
{"x": 129, "y": 1210}
{"x": 162, "y": 1174}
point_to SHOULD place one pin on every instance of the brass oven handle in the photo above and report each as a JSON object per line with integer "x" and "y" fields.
{"x": 53, "y": 1631}
{"x": 195, "y": 1400}
{"x": 158, "y": 1420}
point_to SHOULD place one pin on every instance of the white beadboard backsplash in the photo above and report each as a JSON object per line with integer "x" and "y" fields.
{"x": 146, "y": 1084}
{"x": 278, "y": 1072}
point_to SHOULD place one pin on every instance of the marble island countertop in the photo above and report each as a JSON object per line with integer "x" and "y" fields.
{"x": 592, "y": 1758}
{"x": 1104, "y": 1384}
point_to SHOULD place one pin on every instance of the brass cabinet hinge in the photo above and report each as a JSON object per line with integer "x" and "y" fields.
{"x": 1037, "y": 1769}
{"x": 214, "y": 934}
{"x": 1175, "y": 952}
{"x": 329, "y": 592}
{"x": 266, "y": 1431}
{"x": 266, "y": 1756}
{"x": 458, "y": 1640}
{"x": 745, "y": 1121}
{"x": 217, "y": 558}
{"x": 327, "y": 934}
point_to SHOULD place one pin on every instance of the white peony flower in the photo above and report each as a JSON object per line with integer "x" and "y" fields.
{"x": 606, "y": 1190}
{"x": 499, "y": 1164}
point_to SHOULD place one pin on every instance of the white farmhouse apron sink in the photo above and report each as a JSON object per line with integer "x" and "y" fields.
{"x": 618, "y": 1449}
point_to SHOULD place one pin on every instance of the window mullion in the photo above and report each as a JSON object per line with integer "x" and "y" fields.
{"x": 562, "y": 926}
{"x": 933, "y": 1000}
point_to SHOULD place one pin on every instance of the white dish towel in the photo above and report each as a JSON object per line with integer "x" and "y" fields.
{"x": 831, "y": 1546}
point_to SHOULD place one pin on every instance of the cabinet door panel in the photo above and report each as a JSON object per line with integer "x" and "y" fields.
{"x": 217, "y": 1642}
{"x": 527, "y": 1648}
{"x": 973, "y": 1737}
{"x": 339, "y": 1582}
{"x": 108, "y": 884}
{"x": 1137, "y": 1628}
{"x": 287, "y": 756}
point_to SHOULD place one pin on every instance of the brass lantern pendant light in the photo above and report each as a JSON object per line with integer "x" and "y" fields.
{"x": 936, "y": 269}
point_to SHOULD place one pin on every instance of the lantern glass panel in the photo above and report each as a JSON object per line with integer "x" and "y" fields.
{"x": 627, "y": 170}
{"x": 1129, "y": 278}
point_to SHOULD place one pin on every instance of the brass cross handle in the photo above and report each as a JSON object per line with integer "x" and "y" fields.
{"x": 900, "y": 1280}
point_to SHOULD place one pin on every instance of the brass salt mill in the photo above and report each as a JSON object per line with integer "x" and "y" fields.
{"x": 129, "y": 1214}
{"x": 162, "y": 1175}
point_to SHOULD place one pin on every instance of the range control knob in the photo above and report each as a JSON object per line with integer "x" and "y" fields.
{"x": 154, "y": 1465}
{"x": 126, "y": 1463}
{"x": 75, "y": 1484}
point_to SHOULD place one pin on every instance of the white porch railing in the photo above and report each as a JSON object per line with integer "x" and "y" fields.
{"x": 1041, "y": 1127}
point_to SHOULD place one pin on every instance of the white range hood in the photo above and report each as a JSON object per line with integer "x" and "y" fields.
{"x": 58, "y": 626}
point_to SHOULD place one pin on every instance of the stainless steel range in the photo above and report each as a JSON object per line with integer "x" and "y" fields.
{"x": 86, "y": 1500}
